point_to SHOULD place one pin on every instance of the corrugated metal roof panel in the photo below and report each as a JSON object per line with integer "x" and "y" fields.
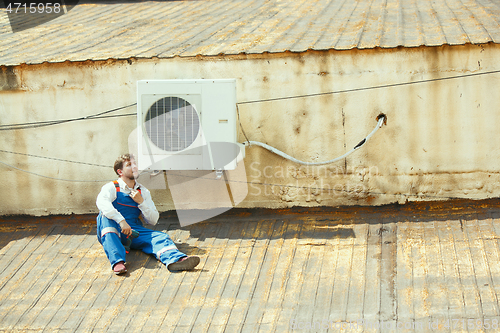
{"x": 213, "y": 27}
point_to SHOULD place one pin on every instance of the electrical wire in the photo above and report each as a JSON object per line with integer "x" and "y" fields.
{"x": 56, "y": 122}
{"x": 54, "y": 158}
{"x": 371, "y": 88}
{"x": 381, "y": 119}
{"x": 239, "y": 121}
{"x": 55, "y": 178}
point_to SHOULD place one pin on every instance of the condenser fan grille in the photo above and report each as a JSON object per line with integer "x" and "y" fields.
{"x": 172, "y": 124}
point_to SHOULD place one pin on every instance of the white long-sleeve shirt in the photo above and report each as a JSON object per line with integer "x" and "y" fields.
{"x": 108, "y": 194}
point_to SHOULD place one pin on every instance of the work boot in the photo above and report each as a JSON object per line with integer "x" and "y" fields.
{"x": 119, "y": 268}
{"x": 184, "y": 264}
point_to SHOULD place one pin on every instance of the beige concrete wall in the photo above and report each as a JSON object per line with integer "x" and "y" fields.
{"x": 440, "y": 140}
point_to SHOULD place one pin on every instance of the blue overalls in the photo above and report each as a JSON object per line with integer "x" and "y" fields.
{"x": 149, "y": 241}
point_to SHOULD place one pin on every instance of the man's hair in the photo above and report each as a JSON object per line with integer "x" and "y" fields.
{"x": 120, "y": 160}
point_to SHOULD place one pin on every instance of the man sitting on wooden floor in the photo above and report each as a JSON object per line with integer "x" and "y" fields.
{"x": 120, "y": 204}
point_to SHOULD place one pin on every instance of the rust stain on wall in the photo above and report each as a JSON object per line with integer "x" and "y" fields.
{"x": 9, "y": 79}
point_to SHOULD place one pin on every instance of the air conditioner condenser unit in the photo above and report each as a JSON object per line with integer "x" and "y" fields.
{"x": 187, "y": 125}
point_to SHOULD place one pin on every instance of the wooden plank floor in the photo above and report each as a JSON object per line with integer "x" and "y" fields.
{"x": 278, "y": 271}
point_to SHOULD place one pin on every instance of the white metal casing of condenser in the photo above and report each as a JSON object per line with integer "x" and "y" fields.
{"x": 187, "y": 125}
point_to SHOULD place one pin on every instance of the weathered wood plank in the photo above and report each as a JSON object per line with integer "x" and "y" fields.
{"x": 257, "y": 304}
{"x": 245, "y": 248}
{"x": 340, "y": 295}
{"x": 404, "y": 277}
{"x": 472, "y": 299}
{"x": 389, "y": 266}
{"x": 240, "y": 309}
{"x": 435, "y": 278}
{"x": 91, "y": 266}
{"x": 58, "y": 264}
{"x": 16, "y": 236}
{"x": 492, "y": 251}
{"x": 67, "y": 280}
{"x": 158, "y": 297}
{"x": 281, "y": 273}
{"x": 205, "y": 299}
{"x": 307, "y": 294}
{"x": 326, "y": 281}
{"x": 489, "y": 302}
{"x": 228, "y": 295}
{"x": 110, "y": 300}
{"x": 15, "y": 261}
{"x": 371, "y": 303}
{"x": 207, "y": 293}
{"x": 205, "y": 238}
{"x": 456, "y": 305}
{"x": 129, "y": 313}
{"x": 134, "y": 315}
{"x": 96, "y": 290}
{"x": 155, "y": 278}
{"x": 18, "y": 288}
{"x": 420, "y": 271}
{"x": 294, "y": 277}
{"x": 358, "y": 277}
